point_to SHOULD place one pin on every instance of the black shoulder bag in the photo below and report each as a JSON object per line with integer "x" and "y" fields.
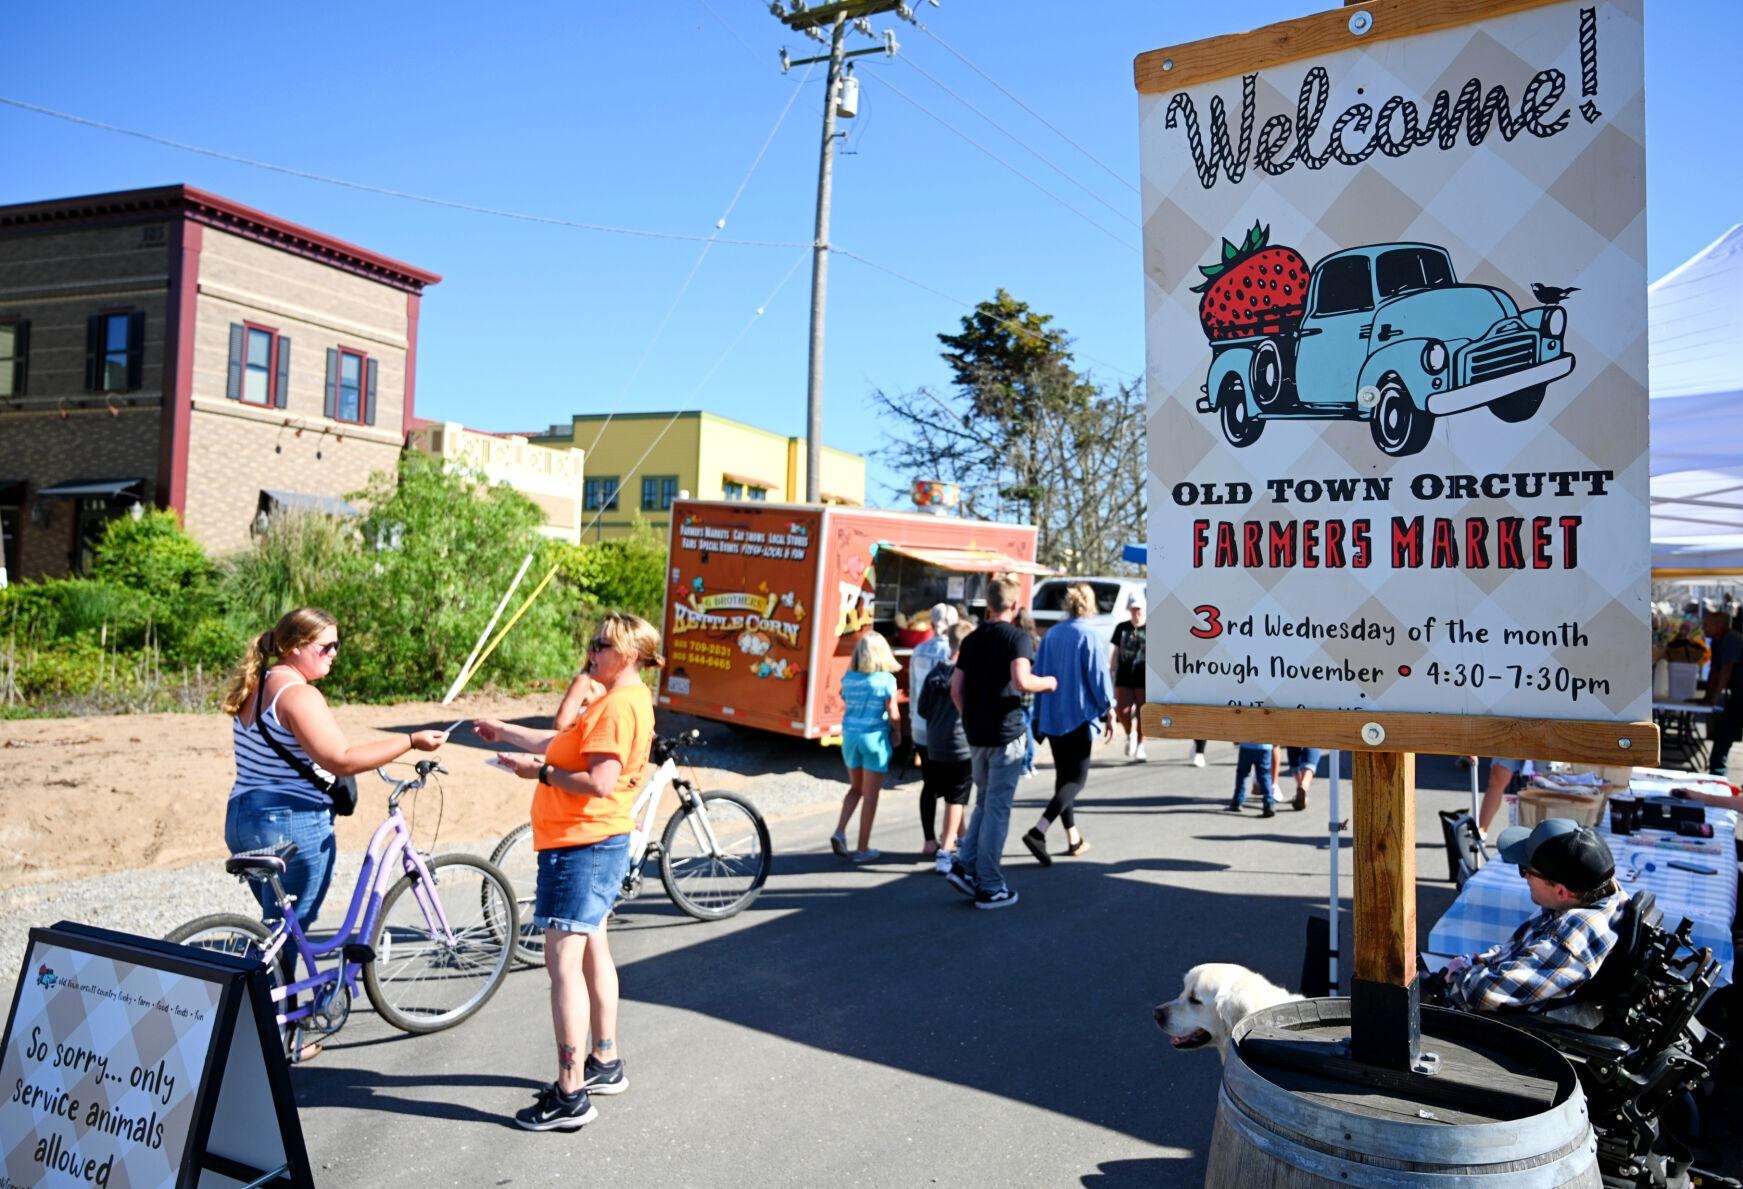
{"x": 342, "y": 789}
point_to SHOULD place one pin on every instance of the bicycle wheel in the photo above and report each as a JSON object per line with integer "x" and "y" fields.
{"x": 418, "y": 980}
{"x": 515, "y": 857}
{"x": 712, "y": 884}
{"x": 238, "y": 936}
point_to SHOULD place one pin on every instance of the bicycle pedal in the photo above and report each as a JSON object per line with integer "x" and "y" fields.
{"x": 360, "y": 952}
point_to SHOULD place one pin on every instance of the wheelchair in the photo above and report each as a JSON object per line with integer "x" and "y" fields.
{"x": 1642, "y": 1057}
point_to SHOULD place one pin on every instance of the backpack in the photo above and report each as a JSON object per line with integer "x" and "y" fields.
{"x": 935, "y": 691}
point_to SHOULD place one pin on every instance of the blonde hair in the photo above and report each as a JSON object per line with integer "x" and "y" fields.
{"x": 956, "y": 633}
{"x": 293, "y": 630}
{"x": 1079, "y": 600}
{"x": 872, "y": 655}
{"x": 1001, "y": 593}
{"x": 633, "y": 635}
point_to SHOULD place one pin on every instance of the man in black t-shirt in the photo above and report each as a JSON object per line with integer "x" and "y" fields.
{"x": 1724, "y": 682}
{"x": 993, "y": 672}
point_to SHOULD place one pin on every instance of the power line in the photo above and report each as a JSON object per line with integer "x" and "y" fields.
{"x": 1016, "y": 327}
{"x": 474, "y": 208}
{"x": 1057, "y": 131}
{"x": 1025, "y": 144}
{"x": 965, "y": 136}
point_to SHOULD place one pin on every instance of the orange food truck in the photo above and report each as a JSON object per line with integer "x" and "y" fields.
{"x": 765, "y": 602}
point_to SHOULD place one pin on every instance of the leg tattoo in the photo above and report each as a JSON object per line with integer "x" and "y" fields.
{"x": 603, "y": 1046}
{"x": 566, "y": 1056}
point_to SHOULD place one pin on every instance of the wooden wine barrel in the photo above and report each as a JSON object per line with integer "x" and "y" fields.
{"x": 1503, "y": 1108}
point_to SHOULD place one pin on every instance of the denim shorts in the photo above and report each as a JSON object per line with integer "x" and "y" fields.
{"x": 867, "y": 749}
{"x": 579, "y": 884}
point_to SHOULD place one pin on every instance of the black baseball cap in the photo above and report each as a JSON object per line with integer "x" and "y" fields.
{"x": 1562, "y": 851}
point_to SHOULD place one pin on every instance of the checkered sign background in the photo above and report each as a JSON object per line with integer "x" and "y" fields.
{"x": 1566, "y": 210}
{"x": 82, "y": 1001}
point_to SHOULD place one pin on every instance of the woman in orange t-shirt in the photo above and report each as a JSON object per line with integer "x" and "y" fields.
{"x": 588, "y": 777}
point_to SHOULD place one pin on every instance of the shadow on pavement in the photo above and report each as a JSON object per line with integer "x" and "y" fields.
{"x": 427, "y": 1095}
{"x": 1046, "y": 1004}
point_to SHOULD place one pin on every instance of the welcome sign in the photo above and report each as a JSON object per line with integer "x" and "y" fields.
{"x": 1396, "y": 329}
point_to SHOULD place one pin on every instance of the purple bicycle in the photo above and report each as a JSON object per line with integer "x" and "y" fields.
{"x": 432, "y": 938}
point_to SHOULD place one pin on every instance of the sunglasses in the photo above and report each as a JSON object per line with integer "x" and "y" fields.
{"x": 1529, "y": 873}
{"x": 330, "y": 648}
{"x": 600, "y": 646}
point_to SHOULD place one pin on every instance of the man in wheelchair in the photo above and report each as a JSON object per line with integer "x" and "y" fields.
{"x": 1572, "y": 878}
{"x": 1597, "y": 976}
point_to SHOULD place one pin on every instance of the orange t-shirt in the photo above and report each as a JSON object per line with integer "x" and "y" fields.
{"x": 620, "y": 725}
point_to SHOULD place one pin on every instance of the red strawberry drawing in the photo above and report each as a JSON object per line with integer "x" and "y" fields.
{"x": 1253, "y": 289}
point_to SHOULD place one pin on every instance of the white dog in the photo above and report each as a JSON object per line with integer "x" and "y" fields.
{"x": 1214, "y": 998}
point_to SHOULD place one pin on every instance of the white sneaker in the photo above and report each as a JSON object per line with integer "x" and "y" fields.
{"x": 943, "y": 860}
{"x": 1198, "y": 759}
{"x": 1140, "y": 754}
{"x": 1131, "y": 744}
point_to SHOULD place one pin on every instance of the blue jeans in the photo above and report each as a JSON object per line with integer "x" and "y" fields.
{"x": 262, "y": 820}
{"x": 1256, "y": 760}
{"x": 1029, "y": 737}
{"x": 996, "y": 772}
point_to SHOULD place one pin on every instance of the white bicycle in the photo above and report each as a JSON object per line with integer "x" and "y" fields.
{"x": 714, "y": 853}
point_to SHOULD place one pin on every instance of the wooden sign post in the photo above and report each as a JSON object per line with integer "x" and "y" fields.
{"x": 1394, "y": 257}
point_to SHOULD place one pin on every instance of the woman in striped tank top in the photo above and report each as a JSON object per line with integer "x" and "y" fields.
{"x": 271, "y": 802}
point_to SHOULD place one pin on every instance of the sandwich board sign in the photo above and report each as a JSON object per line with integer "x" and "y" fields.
{"x": 128, "y": 1061}
{"x": 1395, "y": 283}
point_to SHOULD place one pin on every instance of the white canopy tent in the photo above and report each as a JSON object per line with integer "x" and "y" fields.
{"x": 1696, "y": 325}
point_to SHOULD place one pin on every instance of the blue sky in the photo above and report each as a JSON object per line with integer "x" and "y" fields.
{"x": 650, "y": 117}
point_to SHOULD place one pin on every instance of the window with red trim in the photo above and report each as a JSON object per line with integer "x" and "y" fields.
{"x": 259, "y": 365}
{"x": 353, "y": 367}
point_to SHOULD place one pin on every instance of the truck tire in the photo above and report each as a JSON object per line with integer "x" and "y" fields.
{"x": 1265, "y": 374}
{"x": 1519, "y": 406}
{"x": 1398, "y": 426}
{"x": 1240, "y": 427}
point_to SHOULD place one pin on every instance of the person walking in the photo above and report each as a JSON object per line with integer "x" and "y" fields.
{"x": 1082, "y": 700}
{"x": 871, "y": 729}
{"x": 994, "y": 669}
{"x": 1303, "y": 764}
{"x": 1724, "y": 684}
{"x": 588, "y": 777}
{"x": 1126, "y": 662}
{"x": 929, "y": 653}
{"x": 1259, "y": 759}
{"x": 947, "y": 776}
{"x": 1025, "y": 621}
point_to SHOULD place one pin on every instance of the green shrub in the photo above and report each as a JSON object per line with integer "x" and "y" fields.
{"x": 622, "y": 574}
{"x": 75, "y": 608}
{"x": 296, "y": 563}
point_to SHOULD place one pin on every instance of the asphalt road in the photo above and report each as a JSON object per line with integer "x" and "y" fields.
{"x": 868, "y": 1027}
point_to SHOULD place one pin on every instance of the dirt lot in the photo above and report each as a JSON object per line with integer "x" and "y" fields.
{"x": 83, "y": 797}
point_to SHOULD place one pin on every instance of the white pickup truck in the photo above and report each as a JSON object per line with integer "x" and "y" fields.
{"x": 1048, "y": 605}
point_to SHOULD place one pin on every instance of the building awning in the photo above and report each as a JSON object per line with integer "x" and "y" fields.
{"x": 968, "y": 561}
{"x": 93, "y": 488}
{"x": 298, "y": 501}
{"x": 750, "y": 481}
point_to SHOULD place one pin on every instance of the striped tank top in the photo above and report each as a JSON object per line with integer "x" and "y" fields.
{"x": 258, "y": 767}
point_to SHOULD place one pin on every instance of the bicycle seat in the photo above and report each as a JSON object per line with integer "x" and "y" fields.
{"x": 259, "y": 862}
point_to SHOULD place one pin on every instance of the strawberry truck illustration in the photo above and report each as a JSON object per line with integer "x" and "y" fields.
{"x": 1384, "y": 333}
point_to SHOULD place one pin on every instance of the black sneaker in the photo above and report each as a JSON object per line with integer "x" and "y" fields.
{"x": 958, "y": 878}
{"x": 1003, "y": 898}
{"x": 1268, "y": 810}
{"x": 604, "y": 1077}
{"x": 1232, "y": 807}
{"x": 1037, "y": 844}
{"x": 556, "y": 1111}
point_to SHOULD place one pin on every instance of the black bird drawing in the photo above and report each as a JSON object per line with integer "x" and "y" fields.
{"x": 1549, "y": 295}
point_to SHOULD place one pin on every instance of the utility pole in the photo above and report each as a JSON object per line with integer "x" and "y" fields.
{"x": 838, "y": 16}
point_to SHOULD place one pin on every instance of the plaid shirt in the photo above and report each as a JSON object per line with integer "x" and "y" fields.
{"x": 1547, "y": 957}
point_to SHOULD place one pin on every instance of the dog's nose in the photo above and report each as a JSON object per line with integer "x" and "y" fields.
{"x": 1161, "y": 1014}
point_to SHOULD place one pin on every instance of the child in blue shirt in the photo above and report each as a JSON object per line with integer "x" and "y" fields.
{"x": 871, "y": 728}
{"x": 1261, "y": 760}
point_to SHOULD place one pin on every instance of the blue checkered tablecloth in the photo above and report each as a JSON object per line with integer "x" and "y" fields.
{"x": 1495, "y": 901}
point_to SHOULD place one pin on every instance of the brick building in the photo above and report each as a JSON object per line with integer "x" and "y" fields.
{"x": 172, "y": 347}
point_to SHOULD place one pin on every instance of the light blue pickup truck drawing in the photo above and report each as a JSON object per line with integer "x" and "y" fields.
{"x": 1388, "y": 335}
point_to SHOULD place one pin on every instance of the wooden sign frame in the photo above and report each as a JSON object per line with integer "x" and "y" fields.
{"x": 1385, "y": 1020}
{"x": 245, "y": 1131}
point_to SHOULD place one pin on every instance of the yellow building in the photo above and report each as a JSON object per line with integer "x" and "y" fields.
{"x": 702, "y": 455}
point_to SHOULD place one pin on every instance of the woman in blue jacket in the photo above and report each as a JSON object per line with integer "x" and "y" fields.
{"x": 1067, "y": 715}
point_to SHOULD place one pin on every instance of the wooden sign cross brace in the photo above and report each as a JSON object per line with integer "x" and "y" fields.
{"x": 1385, "y": 1021}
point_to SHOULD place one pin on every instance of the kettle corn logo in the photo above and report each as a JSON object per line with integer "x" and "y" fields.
{"x": 46, "y": 977}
